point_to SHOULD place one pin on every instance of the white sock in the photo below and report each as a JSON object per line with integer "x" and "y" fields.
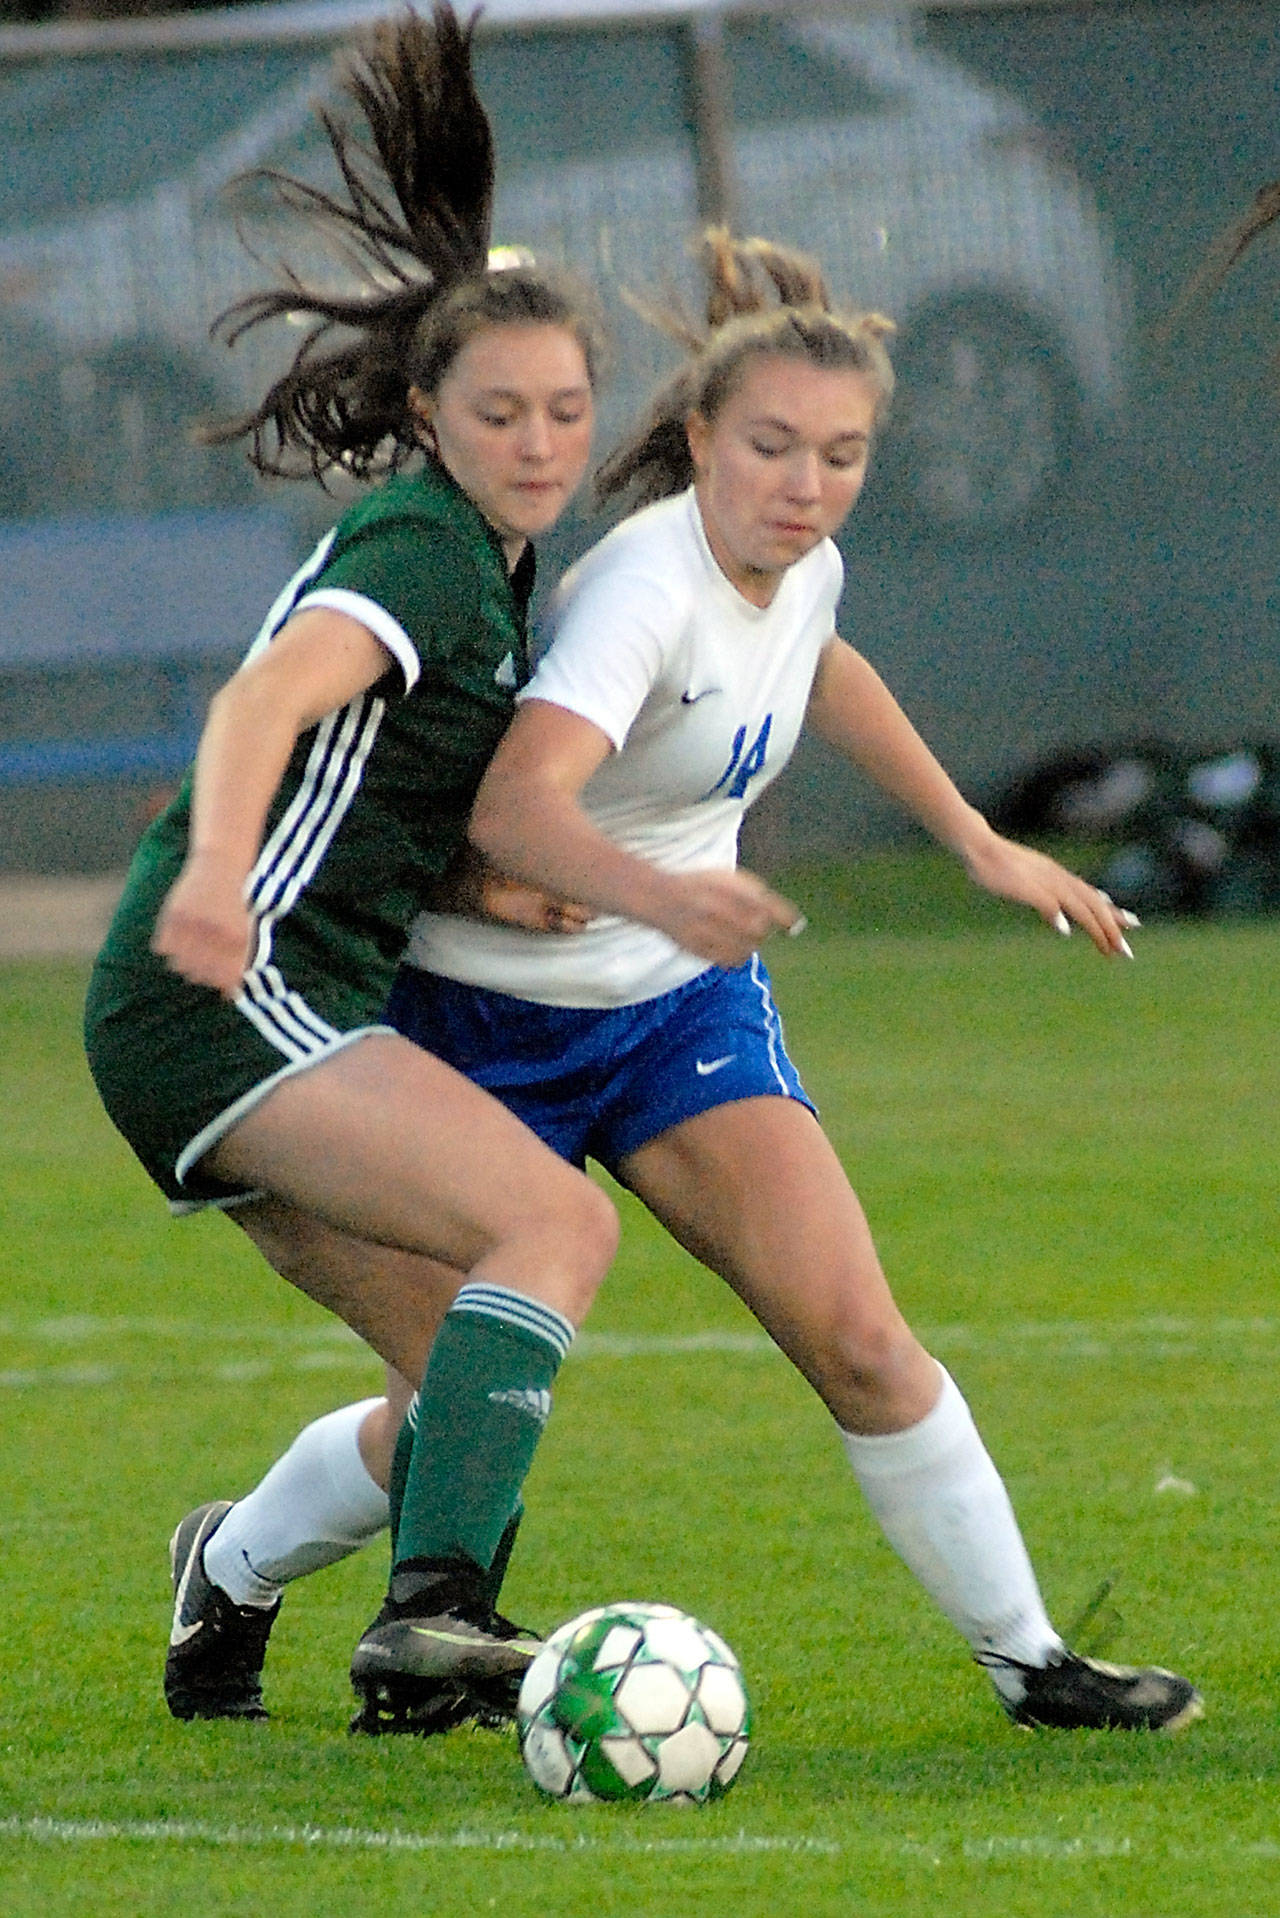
{"x": 316, "y": 1505}
{"x": 943, "y": 1507}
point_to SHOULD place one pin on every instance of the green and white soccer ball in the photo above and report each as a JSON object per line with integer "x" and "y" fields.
{"x": 636, "y": 1702}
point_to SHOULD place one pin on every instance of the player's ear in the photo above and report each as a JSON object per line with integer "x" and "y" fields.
{"x": 697, "y": 431}
{"x": 422, "y": 406}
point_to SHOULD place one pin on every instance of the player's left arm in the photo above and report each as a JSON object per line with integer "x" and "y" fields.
{"x": 853, "y": 710}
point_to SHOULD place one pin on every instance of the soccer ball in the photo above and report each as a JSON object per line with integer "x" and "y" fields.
{"x": 636, "y": 1702}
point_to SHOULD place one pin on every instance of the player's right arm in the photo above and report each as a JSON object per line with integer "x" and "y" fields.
{"x": 528, "y": 819}
{"x": 613, "y": 625}
{"x": 318, "y": 662}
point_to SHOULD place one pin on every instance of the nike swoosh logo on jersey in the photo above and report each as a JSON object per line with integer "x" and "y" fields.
{"x": 690, "y": 698}
{"x": 705, "y": 1066}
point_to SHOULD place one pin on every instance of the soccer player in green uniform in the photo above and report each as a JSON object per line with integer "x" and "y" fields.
{"x": 233, "y": 1022}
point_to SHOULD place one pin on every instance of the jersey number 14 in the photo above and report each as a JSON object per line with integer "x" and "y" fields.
{"x": 743, "y": 766}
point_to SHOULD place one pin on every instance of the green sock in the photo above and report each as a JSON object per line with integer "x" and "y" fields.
{"x": 395, "y": 1494}
{"x": 400, "y": 1472}
{"x": 502, "y": 1557}
{"x": 485, "y": 1398}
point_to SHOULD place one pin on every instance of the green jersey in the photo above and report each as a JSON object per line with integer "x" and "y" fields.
{"x": 375, "y": 799}
{"x": 372, "y": 807}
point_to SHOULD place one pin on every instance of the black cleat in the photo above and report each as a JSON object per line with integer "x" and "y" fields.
{"x": 1071, "y": 1693}
{"x": 438, "y": 1655}
{"x": 216, "y": 1647}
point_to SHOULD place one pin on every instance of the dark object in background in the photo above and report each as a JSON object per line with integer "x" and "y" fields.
{"x": 1191, "y": 832}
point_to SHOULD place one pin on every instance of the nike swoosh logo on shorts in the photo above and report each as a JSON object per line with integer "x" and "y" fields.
{"x": 705, "y": 1066}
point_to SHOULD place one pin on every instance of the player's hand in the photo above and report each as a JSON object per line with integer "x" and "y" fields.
{"x": 204, "y": 929}
{"x": 513, "y": 904}
{"x": 1031, "y": 878}
{"x": 479, "y": 890}
{"x": 723, "y": 916}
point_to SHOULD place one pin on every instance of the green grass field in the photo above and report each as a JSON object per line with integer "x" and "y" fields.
{"x": 1070, "y": 1167}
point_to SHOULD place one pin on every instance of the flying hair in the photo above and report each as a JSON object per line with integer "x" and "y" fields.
{"x": 761, "y": 299}
{"x": 1227, "y": 249}
{"x": 415, "y": 226}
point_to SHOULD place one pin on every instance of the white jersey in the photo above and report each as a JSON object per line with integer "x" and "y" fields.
{"x": 702, "y": 695}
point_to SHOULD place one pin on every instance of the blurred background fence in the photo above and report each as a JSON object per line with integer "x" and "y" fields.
{"x": 1068, "y": 544}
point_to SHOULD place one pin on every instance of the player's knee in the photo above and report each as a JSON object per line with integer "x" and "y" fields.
{"x": 579, "y": 1238}
{"x": 871, "y": 1358}
{"x": 597, "y": 1231}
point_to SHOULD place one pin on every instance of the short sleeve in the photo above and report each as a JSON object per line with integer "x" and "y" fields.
{"x": 608, "y": 636}
{"x": 411, "y": 582}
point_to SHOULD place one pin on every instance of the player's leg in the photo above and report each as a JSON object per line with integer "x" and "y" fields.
{"x": 384, "y": 1142}
{"x": 323, "y": 1499}
{"x": 755, "y": 1190}
{"x": 320, "y": 1502}
{"x": 328, "y": 1494}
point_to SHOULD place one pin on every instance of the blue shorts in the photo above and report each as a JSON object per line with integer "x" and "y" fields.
{"x": 603, "y": 1082}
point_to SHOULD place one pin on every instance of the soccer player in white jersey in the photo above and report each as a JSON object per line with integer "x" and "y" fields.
{"x": 687, "y": 649}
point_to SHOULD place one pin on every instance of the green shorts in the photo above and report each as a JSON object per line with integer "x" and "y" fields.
{"x": 177, "y": 1065}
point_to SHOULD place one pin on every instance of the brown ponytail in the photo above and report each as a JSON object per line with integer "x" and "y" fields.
{"x": 760, "y": 299}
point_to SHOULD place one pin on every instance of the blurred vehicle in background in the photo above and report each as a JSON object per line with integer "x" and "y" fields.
{"x": 936, "y": 199}
{"x": 925, "y": 193}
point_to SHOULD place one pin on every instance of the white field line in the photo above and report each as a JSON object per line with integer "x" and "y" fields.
{"x": 1084, "y": 1849}
{"x": 75, "y": 1831}
{"x": 160, "y": 1351}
